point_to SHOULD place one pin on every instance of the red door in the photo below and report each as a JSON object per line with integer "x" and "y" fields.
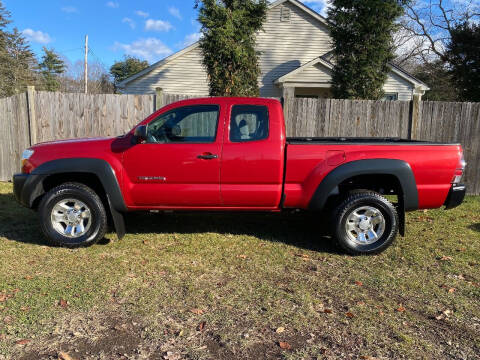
{"x": 179, "y": 165}
{"x": 252, "y": 158}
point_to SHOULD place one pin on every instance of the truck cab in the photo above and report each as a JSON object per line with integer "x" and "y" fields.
{"x": 208, "y": 153}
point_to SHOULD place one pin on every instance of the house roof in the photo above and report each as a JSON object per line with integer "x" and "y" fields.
{"x": 325, "y": 61}
{"x": 166, "y": 60}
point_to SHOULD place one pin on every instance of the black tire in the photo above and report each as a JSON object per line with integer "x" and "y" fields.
{"x": 356, "y": 201}
{"x": 98, "y": 217}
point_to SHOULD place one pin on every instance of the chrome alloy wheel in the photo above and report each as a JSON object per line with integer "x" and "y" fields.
{"x": 365, "y": 225}
{"x": 71, "y": 218}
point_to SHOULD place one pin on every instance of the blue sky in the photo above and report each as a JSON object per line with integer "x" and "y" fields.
{"x": 149, "y": 29}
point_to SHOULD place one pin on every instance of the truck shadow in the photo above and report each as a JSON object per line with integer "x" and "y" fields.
{"x": 474, "y": 227}
{"x": 304, "y": 230}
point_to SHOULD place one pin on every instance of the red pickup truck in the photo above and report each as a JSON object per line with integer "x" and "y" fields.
{"x": 231, "y": 154}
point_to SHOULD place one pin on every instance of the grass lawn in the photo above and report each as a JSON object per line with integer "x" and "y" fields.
{"x": 182, "y": 286}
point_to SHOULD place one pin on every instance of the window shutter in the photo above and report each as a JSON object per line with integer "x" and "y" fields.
{"x": 284, "y": 14}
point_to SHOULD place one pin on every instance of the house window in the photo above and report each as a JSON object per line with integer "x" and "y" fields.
{"x": 285, "y": 14}
{"x": 390, "y": 96}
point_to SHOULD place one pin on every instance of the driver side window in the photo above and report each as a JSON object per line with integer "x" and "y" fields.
{"x": 189, "y": 124}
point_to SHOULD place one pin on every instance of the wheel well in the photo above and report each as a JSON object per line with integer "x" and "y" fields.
{"x": 381, "y": 183}
{"x": 88, "y": 179}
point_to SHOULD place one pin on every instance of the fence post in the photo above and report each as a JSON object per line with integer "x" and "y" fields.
{"x": 32, "y": 117}
{"x": 288, "y": 97}
{"x": 158, "y": 98}
{"x": 413, "y": 126}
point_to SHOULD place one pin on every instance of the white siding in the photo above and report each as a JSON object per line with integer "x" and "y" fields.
{"x": 315, "y": 73}
{"x": 396, "y": 84}
{"x": 183, "y": 75}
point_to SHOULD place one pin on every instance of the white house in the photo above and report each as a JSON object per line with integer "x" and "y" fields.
{"x": 294, "y": 46}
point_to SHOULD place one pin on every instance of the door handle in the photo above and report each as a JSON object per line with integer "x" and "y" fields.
{"x": 207, "y": 156}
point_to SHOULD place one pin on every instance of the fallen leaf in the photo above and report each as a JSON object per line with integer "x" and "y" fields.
{"x": 358, "y": 283}
{"x": 7, "y": 319}
{"x": 285, "y": 345}
{"x": 3, "y": 297}
{"x": 242, "y": 257}
{"x": 349, "y": 315}
{"x": 63, "y": 303}
{"x": 280, "y": 330}
{"x": 23, "y": 341}
{"x": 401, "y": 309}
{"x": 28, "y": 277}
{"x": 145, "y": 242}
{"x": 201, "y": 326}
{"x": 327, "y": 311}
{"x": 197, "y": 311}
{"x": 462, "y": 249}
{"x": 452, "y": 290}
{"x": 445, "y": 258}
{"x": 64, "y": 356}
{"x": 360, "y": 303}
{"x": 172, "y": 356}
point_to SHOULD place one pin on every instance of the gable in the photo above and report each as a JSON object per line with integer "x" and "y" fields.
{"x": 316, "y": 73}
{"x": 287, "y": 45}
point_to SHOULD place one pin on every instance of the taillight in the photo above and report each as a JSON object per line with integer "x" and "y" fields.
{"x": 458, "y": 174}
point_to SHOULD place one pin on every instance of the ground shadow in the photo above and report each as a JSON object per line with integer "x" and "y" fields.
{"x": 475, "y": 227}
{"x": 302, "y": 230}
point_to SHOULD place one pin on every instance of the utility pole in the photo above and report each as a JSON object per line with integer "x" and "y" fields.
{"x": 86, "y": 64}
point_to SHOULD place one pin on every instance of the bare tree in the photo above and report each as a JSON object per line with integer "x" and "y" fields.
{"x": 427, "y": 26}
{"x": 99, "y": 81}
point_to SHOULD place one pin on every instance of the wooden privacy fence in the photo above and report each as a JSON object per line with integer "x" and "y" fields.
{"x": 34, "y": 117}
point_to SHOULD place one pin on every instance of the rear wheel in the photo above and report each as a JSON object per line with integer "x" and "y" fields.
{"x": 365, "y": 223}
{"x": 72, "y": 215}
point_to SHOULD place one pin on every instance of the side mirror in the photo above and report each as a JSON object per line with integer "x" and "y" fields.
{"x": 140, "y": 134}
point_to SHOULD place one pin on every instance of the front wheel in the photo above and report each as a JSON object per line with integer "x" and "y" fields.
{"x": 365, "y": 223}
{"x": 72, "y": 215}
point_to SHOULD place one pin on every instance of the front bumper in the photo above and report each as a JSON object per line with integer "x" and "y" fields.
{"x": 26, "y": 188}
{"x": 455, "y": 196}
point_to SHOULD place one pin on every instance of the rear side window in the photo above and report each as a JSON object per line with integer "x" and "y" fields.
{"x": 248, "y": 123}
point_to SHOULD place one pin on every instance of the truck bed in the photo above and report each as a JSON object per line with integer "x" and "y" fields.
{"x": 359, "y": 140}
{"x": 309, "y": 160}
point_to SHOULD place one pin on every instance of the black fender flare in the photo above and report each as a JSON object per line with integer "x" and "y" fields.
{"x": 398, "y": 168}
{"x": 33, "y": 187}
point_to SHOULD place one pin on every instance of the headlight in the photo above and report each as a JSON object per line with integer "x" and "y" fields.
{"x": 27, "y": 154}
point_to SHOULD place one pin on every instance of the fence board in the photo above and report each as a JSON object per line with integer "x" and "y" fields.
{"x": 14, "y": 134}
